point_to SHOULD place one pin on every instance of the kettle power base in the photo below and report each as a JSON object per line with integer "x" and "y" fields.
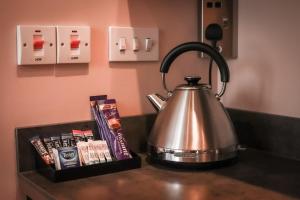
{"x": 191, "y": 166}
{"x": 193, "y": 159}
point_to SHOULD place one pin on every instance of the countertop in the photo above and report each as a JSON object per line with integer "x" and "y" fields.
{"x": 256, "y": 175}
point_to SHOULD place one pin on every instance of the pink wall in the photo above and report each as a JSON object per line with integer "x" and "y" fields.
{"x": 53, "y": 94}
{"x": 265, "y": 77}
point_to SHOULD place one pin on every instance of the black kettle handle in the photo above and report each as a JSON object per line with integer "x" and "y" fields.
{"x": 196, "y": 46}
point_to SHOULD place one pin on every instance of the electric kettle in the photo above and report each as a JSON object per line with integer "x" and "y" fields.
{"x": 192, "y": 126}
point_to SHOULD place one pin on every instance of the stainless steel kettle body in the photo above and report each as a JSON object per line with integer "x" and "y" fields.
{"x": 192, "y": 125}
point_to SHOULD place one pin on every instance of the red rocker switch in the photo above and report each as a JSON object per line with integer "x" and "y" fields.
{"x": 75, "y": 43}
{"x": 38, "y": 44}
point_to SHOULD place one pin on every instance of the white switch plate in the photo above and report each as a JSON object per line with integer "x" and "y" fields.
{"x": 65, "y": 54}
{"x": 141, "y": 34}
{"x": 26, "y": 55}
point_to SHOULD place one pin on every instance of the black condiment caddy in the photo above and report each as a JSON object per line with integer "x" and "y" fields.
{"x": 54, "y": 175}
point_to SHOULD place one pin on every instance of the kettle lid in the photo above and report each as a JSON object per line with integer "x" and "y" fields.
{"x": 192, "y": 83}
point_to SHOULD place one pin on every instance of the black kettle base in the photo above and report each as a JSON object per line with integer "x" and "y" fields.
{"x": 191, "y": 166}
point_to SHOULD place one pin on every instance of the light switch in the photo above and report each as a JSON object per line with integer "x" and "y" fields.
{"x": 73, "y": 44}
{"x": 36, "y": 45}
{"x": 136, "y": 40}
{"x": 38, "y": 42}
{"x": 122, "y": 44}
{"x": 135, "y": 44}
{"x": 148, "y": 44}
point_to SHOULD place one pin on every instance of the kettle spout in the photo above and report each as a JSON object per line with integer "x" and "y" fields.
{"x": 157, "y": 101}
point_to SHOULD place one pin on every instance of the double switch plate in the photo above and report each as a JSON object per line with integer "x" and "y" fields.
{"x": 53, "y": 44}
{"x": 133, "y": 44}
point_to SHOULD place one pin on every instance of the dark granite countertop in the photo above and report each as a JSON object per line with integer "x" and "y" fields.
{"x": 257, "y": 175}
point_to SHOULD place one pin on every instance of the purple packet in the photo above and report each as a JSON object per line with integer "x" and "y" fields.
{"x": 112, "y": 118}
{"x": 95, "y": 113}
{"x": 103, "y": 129}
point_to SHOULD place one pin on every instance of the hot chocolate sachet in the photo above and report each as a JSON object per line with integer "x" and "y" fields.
{"x": 108, "y": 121}
{"x": 113, "y": 121}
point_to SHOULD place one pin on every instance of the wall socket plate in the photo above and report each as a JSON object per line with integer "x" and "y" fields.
{"x": 66, "y": 53}
{"x": 26, "y": 38}
{"x": 133, "y": 44}
{"x": 224, "y": 13}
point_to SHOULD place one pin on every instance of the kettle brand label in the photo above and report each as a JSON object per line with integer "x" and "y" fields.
{"x": 185, "y": 154}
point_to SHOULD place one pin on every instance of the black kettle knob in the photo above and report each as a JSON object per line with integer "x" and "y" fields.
{"x": 192, "y": 80}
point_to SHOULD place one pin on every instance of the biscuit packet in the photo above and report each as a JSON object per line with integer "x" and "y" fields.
{"x": 88, "y": 134}
{"x": 84, "y": 153}
{"x": 78, "y": 135}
